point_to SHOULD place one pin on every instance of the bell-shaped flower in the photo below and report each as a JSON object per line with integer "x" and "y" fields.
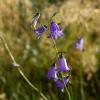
{"x": 52, "y": 73}
{"x": 61, "y": 83}
{"x": 39, "y": 31}
{"x": 55, "y": 31}
{"x": 79, "y": 44}
{"x": 62, "y": 64}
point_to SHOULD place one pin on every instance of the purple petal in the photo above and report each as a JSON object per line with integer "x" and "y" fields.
{"x": 52, "y": 73}
{"x": 54, "y": 35}
{"x": 62, "y": 64}
{"x": 60, "y": 33}
{"x": 39, "y": 31}
{"x": 54, "y": 26}
{"x": 55, "y": 31}
{"x": 60, "y": 84}
{"x": 79, "y": 44}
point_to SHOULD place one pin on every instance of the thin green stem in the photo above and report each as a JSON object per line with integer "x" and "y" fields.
{"x": 82, "y": 90}
{"x": 7, "y": 48}
{"x": 36, "y": 89}
{"x": 20, "y": 71}
{"x": 55, "y": 46}
{"x": 68, "y": 93}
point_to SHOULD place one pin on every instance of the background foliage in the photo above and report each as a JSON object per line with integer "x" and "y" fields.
{"x": 77, "y": 18}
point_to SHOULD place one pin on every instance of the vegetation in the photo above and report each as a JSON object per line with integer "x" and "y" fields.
{"x": 77, "y": 18}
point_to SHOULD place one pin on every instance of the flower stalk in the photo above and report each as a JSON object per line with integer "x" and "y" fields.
{"x": 68, "y": 92}
{"x": 15, "y": 64}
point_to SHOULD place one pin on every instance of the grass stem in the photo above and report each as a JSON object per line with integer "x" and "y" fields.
{"x": 19, "y": 70}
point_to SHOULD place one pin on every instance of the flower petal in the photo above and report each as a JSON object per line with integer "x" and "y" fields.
{"x": 62, "y": 64}
{"x": 79, "y": 44}
{"x": 60, "y": 84}
{"x": 39, "y": 31}
{"x": 52, "y": 73}
{"x": 55, "y": 30}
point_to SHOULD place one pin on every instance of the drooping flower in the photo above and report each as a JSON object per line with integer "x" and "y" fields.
{"x": 60, "y": 84}
{"x": 55, "y": 31}
{"x": 52, "y": 73}
{"x": 79, "y": 43}
{"x": 62, "y": 64}
{"x": 35, "y": 19}
{"x": 39, "y": 31}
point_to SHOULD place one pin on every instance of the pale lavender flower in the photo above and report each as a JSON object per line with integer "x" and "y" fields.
{"x": 62, "y": 64}
{"x": 55, "y": 31}
{"x": 35, "y": 19}
{"x": 79, "y": 44}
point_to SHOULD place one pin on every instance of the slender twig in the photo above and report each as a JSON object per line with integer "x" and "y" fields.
{"x": 20, "y": 71}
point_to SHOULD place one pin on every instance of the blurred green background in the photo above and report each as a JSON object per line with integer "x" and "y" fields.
{"x": 77, "y": 18}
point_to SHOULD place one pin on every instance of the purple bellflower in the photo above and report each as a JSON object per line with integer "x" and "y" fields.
{"x": 60, "y": 84}
{"x": 55, "y": 31}
{"x": 52, "y": 73}
{"x": 79, "y": 44}
{"x": 39, "y": 31}
{"x": 62, "y": 64}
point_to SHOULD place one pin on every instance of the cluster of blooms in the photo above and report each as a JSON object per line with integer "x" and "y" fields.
{"x": 57, "y": 69}
{"x": 55, "y": 30}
